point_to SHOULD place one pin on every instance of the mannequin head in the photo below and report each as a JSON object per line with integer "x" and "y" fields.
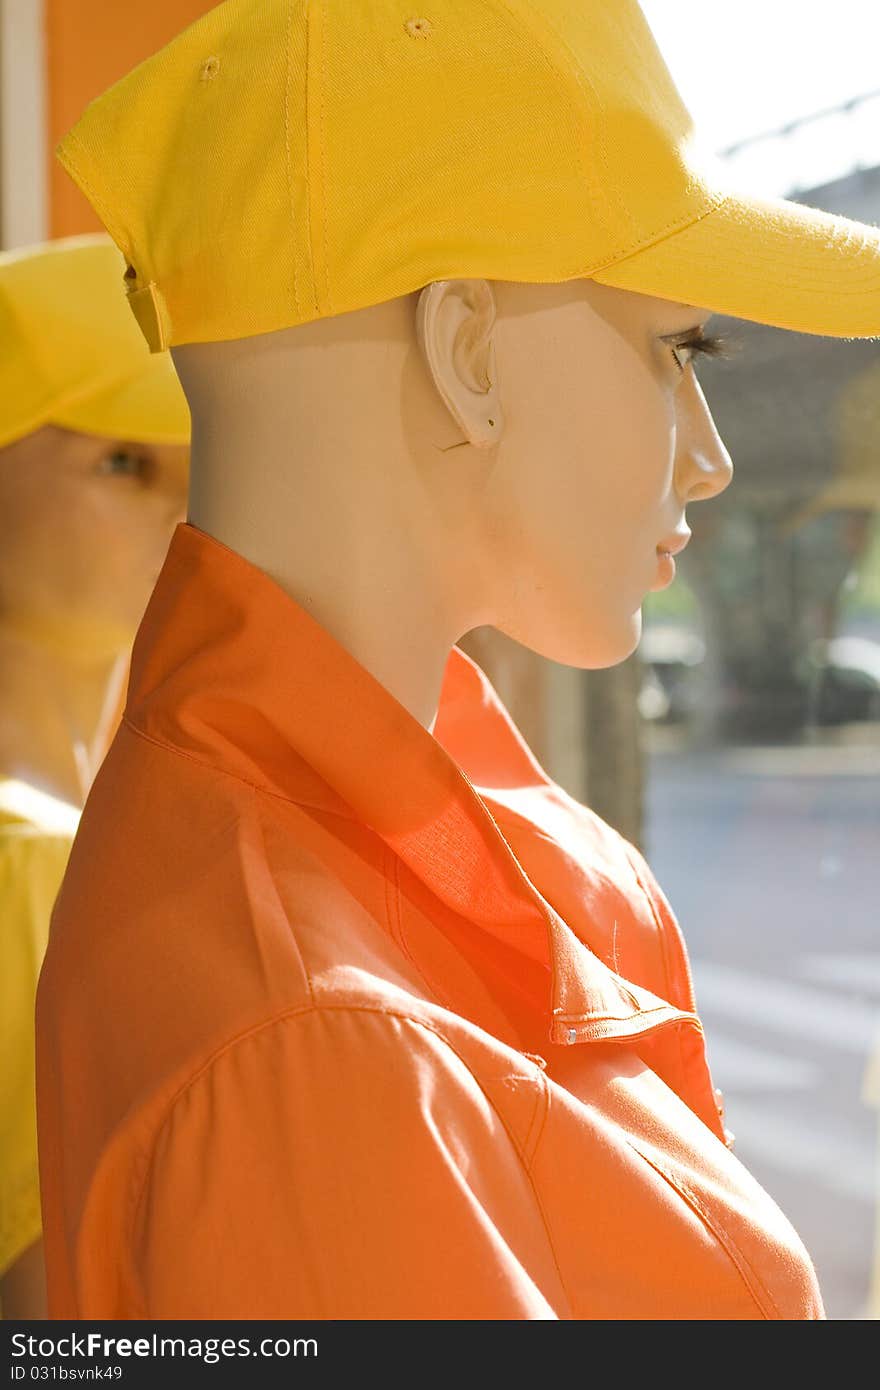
{"x": 86, "y": 524}
{"x": 475, "y": 453}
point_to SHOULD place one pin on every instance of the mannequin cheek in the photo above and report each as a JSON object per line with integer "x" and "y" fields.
{"x": 645, "y": 450}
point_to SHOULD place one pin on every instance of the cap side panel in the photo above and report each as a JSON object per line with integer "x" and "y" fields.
{"x": 556, "y": 31}
{"x": 462, "y": 149}
{"x": 185, "y": 160}
{"x": 656, "y": 176}
{"x": 562, "y": 70}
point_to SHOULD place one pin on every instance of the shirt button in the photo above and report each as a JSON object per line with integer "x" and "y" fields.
{"x": 572, "y": 1035}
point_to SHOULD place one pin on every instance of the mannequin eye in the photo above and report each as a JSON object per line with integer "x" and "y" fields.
{"x": 122, "y": 463}
{"x": 698, "y": 342}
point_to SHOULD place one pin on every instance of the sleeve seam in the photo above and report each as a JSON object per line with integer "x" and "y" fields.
{"x": 143, "y": 1168}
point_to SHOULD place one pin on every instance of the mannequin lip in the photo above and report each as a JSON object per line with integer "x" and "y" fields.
{"x": 674, "y": 544}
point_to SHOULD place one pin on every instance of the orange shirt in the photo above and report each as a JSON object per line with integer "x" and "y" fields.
{"x": 343, "y": 1019}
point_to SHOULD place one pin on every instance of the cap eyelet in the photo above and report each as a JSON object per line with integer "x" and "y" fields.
{"x": 418, "y": 28}
{"x": 210, "y": 69}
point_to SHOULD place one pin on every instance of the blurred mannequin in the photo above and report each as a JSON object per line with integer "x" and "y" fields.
{"x": 85, "y": 526}
{"x": 94, "y": 447}
{"x": 86, "y": 523}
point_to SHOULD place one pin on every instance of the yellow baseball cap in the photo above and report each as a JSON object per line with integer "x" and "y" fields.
{"x": 72, "y": 354}
{"x": 282, "y": 161}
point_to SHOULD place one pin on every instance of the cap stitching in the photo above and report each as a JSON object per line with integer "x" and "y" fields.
{"x": 323, "y": 127}
{"x": 314, "y": 187}
{"x": 287, "y": 83}
{"x": 62, "y": 154}
{"x": 678, "y": 224}
{"x": 608, "y": 188}
{"x": 769, "y": 260}
{"x": 587, "y": 183}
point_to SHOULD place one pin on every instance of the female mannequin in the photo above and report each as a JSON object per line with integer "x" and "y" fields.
{"x": 353, "y": 460}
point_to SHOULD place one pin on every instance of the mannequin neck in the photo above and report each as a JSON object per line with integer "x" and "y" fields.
{"x": 301, "y": 464}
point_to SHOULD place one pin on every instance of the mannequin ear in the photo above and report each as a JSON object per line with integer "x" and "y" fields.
{"x": 455, "y": 320}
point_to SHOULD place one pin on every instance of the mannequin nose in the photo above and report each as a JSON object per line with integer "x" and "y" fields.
{"x": 705, "y": 467}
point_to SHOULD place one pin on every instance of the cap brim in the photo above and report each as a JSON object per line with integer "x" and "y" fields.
{"x": 768, "y": 260}
{"x": 149, "y": 407}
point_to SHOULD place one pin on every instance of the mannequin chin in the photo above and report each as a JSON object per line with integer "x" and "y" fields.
{"x": 476, "y": 453}
{"x": 570, "y": 644}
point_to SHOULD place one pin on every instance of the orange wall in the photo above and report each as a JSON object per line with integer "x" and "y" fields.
{"x": 90, "y": 44}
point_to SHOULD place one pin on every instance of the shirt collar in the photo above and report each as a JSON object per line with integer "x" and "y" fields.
{"x": 231, "y": 670}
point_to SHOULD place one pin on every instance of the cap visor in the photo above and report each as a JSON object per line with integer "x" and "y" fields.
{"x": 768, "y": 260}
{"x": 150, "y": 407}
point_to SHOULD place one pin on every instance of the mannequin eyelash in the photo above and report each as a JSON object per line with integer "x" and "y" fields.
{"x": 711, "y": 345}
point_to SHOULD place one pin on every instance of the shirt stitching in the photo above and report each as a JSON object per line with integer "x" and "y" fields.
{"x": 664, "y": 951}
{"x": 658, "y": 922}
{"x": 527, "y": 1164}
{"x": 540, "y": 1094}
{"x": 736, "y": 1256}
{"x": 679, "y": 1014}
{"x": 392, "y": 902}
{"x": 235, "y": 776}
{"x": 395, "y": 924}
{"x": 274, "y": 886}
{"x": 513, "y": 820}
{"x": 292, "y": 801}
